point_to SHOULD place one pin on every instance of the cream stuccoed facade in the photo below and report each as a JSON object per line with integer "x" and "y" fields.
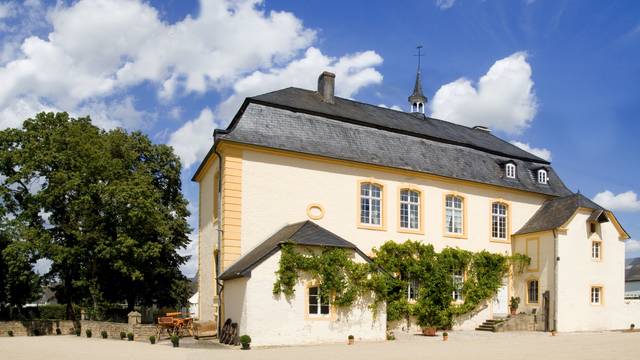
{"x": 256, "y": 181}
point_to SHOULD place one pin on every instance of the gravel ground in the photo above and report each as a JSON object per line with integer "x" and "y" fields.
{"x": 461, "y": 345}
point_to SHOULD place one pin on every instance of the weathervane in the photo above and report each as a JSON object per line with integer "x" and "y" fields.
{"x": 419, "y": 55}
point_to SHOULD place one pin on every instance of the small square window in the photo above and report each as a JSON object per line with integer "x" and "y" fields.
{"x": 317, "y": 306}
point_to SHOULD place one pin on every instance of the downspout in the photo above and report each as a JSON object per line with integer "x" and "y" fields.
{"x": 555, "y": 279}
{"x": 219, "y": 231}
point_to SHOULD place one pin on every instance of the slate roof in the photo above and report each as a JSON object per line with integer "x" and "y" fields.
{"x": 632, "y": 270}
{"x": 305, "y": 233}
{"x": 298, "y": 120}
{"x": 555, "y": 212}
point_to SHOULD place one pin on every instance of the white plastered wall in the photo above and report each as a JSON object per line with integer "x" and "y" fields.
{"x": 577, "y": 272}
{"x": 272, "y": 320}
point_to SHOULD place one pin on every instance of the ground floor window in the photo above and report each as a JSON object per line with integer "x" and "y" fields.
{"x": 532, "y": 291}
{"x": 412, "y": 290}
{"x": 596, "y": 295}
{"x": 317, "y": 305}
{"x": 458, "y": 283}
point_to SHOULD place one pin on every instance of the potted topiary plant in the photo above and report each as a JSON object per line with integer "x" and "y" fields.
{"x": 123, "y": 335}
{"x": 152, "y": 339}
{"x": 78, "y": 332}
{"x": 632, "y": 326}
{"x": 88, "y": 333}
{"x": 554, "y": 332}
{"x": 351, "y": 339}
{"x": 10, "y": 333}
{"x": 445, "y": 336}
{"x": 430, "y": 318}
{"x": 130, "y": 336}
{"x": 513, "y": 305}
{"x": 175, "y": 340}
{"x": 245, "y": 340}
{"x": 390, "y": 335}
{"x": 104, "y": 334}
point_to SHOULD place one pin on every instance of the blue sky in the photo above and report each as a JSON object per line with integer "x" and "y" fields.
{"x": 560, "y": 77}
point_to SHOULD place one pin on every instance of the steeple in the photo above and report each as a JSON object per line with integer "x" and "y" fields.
{"x": 417, "y": 100}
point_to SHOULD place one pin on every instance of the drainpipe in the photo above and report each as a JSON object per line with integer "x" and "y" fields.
{"x": 219, "y": 232}
{"x": 556, "y": 260}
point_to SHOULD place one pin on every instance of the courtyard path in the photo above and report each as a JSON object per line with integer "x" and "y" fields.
{"x": 461, "y": 345}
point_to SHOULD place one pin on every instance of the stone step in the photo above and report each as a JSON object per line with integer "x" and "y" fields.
{"x": 485, "y": 328}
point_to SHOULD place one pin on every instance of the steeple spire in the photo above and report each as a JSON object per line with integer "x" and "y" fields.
{"x": 417, "y": 100}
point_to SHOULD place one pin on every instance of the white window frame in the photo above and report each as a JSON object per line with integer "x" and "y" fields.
{"x": 454, "y": 211}
{"x": 595, "y": 295}
{"x": 369, "y": 202}
{"x": 412, "y": 290}
{"x": 543, "y": 177}
{"x": 458, "y": 283}
{"x": 315, "y": 300}
{"x": 499, "y": 220}
{"x": 510, "y": 170}
{"x": 410, "y": 209}
{"x": 537, "y": 292}
{"x": 596, "y": 250}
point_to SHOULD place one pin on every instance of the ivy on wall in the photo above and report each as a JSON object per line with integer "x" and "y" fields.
{"x": 394, "y": 267}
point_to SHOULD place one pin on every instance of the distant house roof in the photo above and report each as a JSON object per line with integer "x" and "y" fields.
{"x": 304, "y": 233}
{"x": 354, "y": 131}
{"x": 632, "y": 270}
{"x": 556, "y": 212}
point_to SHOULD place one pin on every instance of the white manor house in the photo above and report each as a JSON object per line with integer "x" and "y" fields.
{"x": 314, "y": 169}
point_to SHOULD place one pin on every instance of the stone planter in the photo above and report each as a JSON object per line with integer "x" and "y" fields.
{"x": 429, "y": 331}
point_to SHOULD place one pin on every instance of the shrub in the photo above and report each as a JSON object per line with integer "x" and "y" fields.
{"x": 390, "y": 335}
{"x": 350, "y": 338}
{"x": 445, "y": 334}
{"x": 632, "y": 326}
{"x": 245, "y": 339}
{"x": 123, "y": 335}
{"x": 35, "y": 332}
{"x": 58, "y": 331}
{"x": 10, "y": 333}
{"x": 88, "y": 333}
{"x": 130, "y": 336}
{"x": 152, "y": 339}
{"x": 77, "y": 332}
{"x": 175, "y": 340}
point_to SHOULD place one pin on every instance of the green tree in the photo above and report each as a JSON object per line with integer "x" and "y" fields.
{"x": 105, "y": 207}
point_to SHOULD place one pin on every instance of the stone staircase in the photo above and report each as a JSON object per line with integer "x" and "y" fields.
{"x": 489, "y": 325}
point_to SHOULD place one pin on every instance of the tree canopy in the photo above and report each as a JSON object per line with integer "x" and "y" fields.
{"x": 105, "y": 207}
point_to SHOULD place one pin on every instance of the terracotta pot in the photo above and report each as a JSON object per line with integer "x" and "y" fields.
{"x": 513, "y": 311}
{"x": 445, "y": 337}
{"x": 554, "y": 333}
{"x": 429, "y": 331}
{"x": 351, "y": 341}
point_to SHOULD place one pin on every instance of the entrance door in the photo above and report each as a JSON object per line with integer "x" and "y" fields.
{"x": 501, "y": 301}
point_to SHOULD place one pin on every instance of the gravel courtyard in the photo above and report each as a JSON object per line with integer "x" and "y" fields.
{"x": 461, "y": 345}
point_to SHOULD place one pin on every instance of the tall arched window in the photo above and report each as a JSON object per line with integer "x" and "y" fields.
{"x": 499, "y": 219}
{"x": 409, "y": 209}
{"x": 370, "y": 204}
{"x": 454, "y": 214}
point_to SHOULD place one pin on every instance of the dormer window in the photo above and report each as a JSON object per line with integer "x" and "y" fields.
{"x": 510, "y": 170}
{"x": 543, "y": 177}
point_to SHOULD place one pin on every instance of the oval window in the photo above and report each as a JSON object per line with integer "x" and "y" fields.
{"x": 315, "y": 212}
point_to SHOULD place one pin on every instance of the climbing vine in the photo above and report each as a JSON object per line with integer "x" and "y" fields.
{"x": 394, "y": 267}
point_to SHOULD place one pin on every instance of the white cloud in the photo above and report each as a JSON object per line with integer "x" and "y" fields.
{"x": 353, "y": 72}
{"x": 632, "y": 246}
{"x": 503, "y": 98}
{"x": 6, "y": 10}
{"x": 539, "y": 152}
{"x": 392, "y": 107}
{"x": 192, "y": 141}
{"x": 210, "y": 51}
{"x": 445, "y": 4}
{"x": 626, "y": 201}
{"x": 110, "y": 115}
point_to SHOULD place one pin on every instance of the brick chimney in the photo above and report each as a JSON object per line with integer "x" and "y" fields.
{"x": 326, "y": 86}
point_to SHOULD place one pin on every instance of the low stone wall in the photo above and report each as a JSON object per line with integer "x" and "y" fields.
{"x": 36, "y": 327}
{"x": 522, "y": 322}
